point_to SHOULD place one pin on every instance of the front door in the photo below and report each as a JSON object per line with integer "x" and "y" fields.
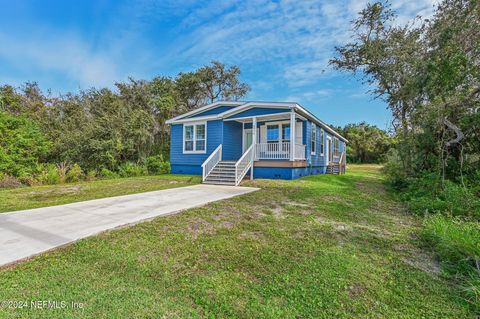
{"x": 328, "y": 152}
{"x": 247, "y": 139}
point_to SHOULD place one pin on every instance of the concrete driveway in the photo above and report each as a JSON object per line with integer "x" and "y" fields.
{"x": 30, "y": 232}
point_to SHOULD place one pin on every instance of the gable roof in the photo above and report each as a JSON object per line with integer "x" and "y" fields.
{"x": 243, "y": 106}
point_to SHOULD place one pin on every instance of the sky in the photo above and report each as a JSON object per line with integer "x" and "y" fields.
{"x": 281, "y": 46}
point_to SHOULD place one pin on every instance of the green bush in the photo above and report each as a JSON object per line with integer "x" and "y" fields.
{"x": 106, "y": 173}
{"x": 394, "y": 171}
{"x": 49, "y": 175}
{"x": 22, "y": 145}
{"x": 130, "y": 169}
{"x": 91, "y": 175}
{"x": 156, "y": 165}
{"x": 74, "y": 174}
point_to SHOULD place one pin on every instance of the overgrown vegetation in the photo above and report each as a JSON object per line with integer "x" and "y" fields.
{"x": 101, "y": 132}
{"x": 428, "y": 72}
{"x": 366, "y": 143}
{"x": 323, "y": 246}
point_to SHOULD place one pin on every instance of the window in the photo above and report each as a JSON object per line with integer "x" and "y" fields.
{"x": 322, "y": 141}
{"x": 285, "y": 132}
{"x": 194, "y": 138}
{"x": 272, "y": 133}
{"x": 314, "y": 139}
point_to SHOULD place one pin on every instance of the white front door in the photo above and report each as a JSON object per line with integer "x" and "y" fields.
{"x": 247, "y": 139}
{"x": 327, "y": 150}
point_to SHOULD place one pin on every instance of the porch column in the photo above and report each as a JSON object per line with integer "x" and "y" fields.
{"x": 292, "y": 135}
{"x": 254, "y": 143}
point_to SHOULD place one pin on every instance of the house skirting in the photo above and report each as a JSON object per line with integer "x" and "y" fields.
{"x": 186, "y": 169}
{"x": 286, "y": 172}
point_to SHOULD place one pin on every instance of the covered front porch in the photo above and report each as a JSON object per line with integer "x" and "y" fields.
{"x": 274, "y": 138}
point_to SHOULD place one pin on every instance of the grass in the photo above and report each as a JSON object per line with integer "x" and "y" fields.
{"x": 49, "y": 195}
{"x": 320, "y": 247}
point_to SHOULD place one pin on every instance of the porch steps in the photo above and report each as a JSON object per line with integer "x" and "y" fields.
{"x": 222, "y": 174}
{"x": 333, "y": 169}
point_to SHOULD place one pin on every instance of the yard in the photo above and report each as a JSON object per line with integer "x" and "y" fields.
{"x": 324, "y": 246}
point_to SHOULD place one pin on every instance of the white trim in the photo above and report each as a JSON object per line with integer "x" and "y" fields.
{"x": 194, "y": 151}
{"x": 195, "y": 119}
{"x": 203, "y": 109}
{"x": 251, "y": 105}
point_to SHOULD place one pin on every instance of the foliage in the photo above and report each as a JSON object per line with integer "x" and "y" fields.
{"x": 457, "y": 243}
{"x": 130, "y": 169}
{"x": 428, "y": 72}
{"x": 75, "y": 174}
{"x": 102, "y": 127}
{"x": 366, "y": 143}
{"x": 22, "y": 145}
{"x": 48, "y": 175}
{"x": 106, "y": 173}
{"x": 156, "y": 165}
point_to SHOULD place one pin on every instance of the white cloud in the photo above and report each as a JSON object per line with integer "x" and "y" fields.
{"x": 35, "y": 54}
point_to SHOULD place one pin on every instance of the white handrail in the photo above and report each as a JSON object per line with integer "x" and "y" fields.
{"x": 243, "y": 165}
{"x": 211, "y": 161}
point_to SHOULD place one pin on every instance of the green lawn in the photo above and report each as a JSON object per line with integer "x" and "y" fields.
{"x": 320, "y": 247}
{"x": 41, "y": 196}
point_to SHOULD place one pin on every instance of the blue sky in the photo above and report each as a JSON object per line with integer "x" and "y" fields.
{"x": 282, "y": 47}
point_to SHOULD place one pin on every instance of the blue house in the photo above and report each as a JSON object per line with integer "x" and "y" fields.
{"x": 225, "y": 141}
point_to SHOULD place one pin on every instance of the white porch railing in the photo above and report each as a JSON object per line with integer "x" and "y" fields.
{"x": 211, "y": 161}
{"x": 278, "y": 151}
{"x": 243, "y": 165}
{"x": 272, "y": 150}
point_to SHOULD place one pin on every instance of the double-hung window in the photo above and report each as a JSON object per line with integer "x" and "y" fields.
{"x": 314, "y": 139}
{"x": 336, "y": 147}
{"x": 322, "y": 141}
{"x": 272, "y": 133}
{"x": 194, "y": 138}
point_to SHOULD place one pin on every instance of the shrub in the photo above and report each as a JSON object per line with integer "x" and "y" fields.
{"x": 91, "y": 175}
{"x": 156, "y": 165}
{"x": 49, "y": 175}
{"x": 8, "y": 181}
{"x": 22, "y": 145}
{"x": 106, "y": 173}
{"x": 130, "y": 169}
{"x": 75, "y": 174}
{"x": 62, "y": 169}
{"x": 394, "y": 171}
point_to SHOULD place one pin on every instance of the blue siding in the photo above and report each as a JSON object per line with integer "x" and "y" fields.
{"x": 214, "y": 111}
{"x": 214, "y": 138}
{"x": 258, "y": 111}
{"x": 286, "y": 172}
{"x": 232, "y": 140}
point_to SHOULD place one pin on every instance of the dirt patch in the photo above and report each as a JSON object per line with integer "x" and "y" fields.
{"x": 198, "y": 227}
{"x": 256, "y": 235}
{"x": 70, "y": 190}
{"x": 356, "y": 290}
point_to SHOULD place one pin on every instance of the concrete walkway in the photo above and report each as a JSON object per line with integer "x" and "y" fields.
{"x": 30, "y": 232}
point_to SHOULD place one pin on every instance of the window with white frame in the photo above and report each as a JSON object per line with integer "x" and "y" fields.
{"x": 194, "y": 138}
{"x": 272, "y": 133}
{"x": 314, "y": 139}
{"x": 322, "y": 141}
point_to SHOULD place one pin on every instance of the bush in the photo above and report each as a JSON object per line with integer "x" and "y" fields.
{"x": 49, "y": 175}
{"x": 106, "y": 173}
{"x": 22, "y": 145}
{"x": 91, "y": 175}
{"x": 156, "y": 165}
{"x": 130, "y": 169}
{"x": 74, "y": 174}
{"x": 8, "y": 181}
{"x": 394, "y": 171}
